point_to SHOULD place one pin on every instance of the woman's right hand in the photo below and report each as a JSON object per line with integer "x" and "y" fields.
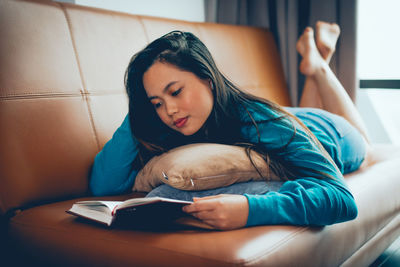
{"x": 225, "y": 212}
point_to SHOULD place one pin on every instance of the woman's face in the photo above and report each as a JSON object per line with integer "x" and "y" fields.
{"x": 180, "y": 98}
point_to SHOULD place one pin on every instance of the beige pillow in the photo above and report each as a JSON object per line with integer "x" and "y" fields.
{"x": 200, "y": 167}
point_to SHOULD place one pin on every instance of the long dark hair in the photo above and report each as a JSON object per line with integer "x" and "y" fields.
{"x": 185, "y": 51}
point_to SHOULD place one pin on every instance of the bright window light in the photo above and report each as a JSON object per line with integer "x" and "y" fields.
{"x": 378, "y": 39}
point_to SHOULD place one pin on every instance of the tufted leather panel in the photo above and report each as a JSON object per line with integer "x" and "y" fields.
{"x": 47, "y": 140}
{"x": 37, "y": 57}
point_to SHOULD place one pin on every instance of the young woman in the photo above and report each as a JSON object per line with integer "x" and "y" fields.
{"x": 177, "y": 96}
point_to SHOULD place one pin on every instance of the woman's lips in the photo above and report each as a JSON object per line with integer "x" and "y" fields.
{"x": 180, "y": 122}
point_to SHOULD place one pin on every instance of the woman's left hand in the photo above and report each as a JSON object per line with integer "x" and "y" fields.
{"x": 223, "y": 212}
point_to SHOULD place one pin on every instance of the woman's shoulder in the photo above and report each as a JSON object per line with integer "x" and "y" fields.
{"x": 257, "y": 111}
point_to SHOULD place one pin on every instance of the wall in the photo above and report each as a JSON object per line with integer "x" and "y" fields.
{"x": 191, "y": 10}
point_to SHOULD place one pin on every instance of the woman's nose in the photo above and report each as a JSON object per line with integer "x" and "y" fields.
{"x": 171, "y": 107}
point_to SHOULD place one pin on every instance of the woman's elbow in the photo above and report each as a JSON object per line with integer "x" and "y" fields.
{"x": 348, "y": 210}
{"x": 345, "y": 209}
{"x": 352, "y": 209}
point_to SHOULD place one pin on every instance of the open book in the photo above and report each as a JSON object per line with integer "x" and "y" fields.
{"x": 136, "y": 212}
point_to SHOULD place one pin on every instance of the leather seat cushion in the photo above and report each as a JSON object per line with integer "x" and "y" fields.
{"x": 68, "y": 240}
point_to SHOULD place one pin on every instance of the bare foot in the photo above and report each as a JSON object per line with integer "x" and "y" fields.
{"x": 312, "y": 59}
{"x": 327, "y": 35}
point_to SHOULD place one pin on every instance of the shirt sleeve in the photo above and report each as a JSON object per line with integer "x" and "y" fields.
{"x": 306, "y": 201}
{"x": 318, "y": 195}
{"x": 112, "y": 171}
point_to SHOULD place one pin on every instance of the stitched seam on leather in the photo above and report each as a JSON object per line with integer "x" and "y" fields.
{"x": 40, "y": 93}
{"x": 144, "y": 29}
{"x": 57, "y": 94}
{"x": 73, "y": 44}
{"x": 37, "y": 96}
{"x": 86, "y": 94}
{"x": 197, "y": 26}
{"x": 31, "y": 96}
{"x": 276, "y": 246}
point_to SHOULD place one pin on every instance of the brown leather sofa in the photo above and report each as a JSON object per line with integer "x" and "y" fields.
{"x": 62, "y": 97}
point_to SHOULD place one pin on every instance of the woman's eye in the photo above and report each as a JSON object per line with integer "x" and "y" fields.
{"x": 177, "y": 92}
{"x": 157, "y": 105}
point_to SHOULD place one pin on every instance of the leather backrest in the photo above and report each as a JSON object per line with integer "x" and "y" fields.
{"x": 62, "y": 94}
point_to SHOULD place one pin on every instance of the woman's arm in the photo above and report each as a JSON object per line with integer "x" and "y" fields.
{"x": 112, "y": 171}
{"x": 311, "y": 199}
{"x": 301, "y": 202}
{"x": 307, "y": 201}
{"x": 318, "y": 195}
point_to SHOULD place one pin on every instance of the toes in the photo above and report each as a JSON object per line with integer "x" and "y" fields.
{"x": 336, "y": 28}
{"x": 305, "y": 40}
{"x": 332, "y": 27}
{"x": 308, "y": 30}
{"x": 299, "y": 47}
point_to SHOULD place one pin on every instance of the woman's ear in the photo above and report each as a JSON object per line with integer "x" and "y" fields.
{"x": 211, "y": 84}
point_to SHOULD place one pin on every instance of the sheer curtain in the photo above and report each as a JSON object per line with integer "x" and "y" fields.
{"x": 287, "y": 20}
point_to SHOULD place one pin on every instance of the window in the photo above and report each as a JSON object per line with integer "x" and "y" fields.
{"x": 378, "y": 44}
{"x": 378, "y": 67}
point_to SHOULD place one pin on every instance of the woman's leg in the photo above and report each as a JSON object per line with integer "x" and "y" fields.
{"x": 333, "y": 96}
{"x": 326, "y": 38}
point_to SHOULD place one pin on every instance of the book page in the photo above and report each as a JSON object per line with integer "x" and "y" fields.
{"x": 109, "y": 204}
{"x": 141, "y": 201}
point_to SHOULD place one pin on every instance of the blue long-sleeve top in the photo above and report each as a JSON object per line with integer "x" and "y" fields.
{"x": 311, "y": 199}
